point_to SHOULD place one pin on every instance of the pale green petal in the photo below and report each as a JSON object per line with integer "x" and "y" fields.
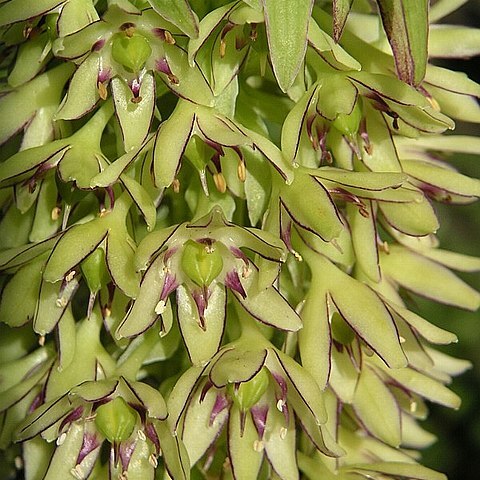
{"x": 376, "y": 407}
{"x": 134, "y": 117}
{"x": 244, "y": 458}
{"x": 287, "y": 37}
{"x": 202, "y": 340}
{"x": 427, "y": 278}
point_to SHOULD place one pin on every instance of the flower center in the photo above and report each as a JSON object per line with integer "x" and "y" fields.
{"x": 201, "y": 262}
{"x": 246, "y": 394}
{"x": 116, "y": 420}
{"x": 131, "y": 51}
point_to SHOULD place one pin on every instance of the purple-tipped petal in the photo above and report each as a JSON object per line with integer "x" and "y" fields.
{"x": 98, "y": 45}
{"x": 125, "y": 452}
{"x": 71, "y": 417}
{"x": 151, "y": 433}
{"x": 89, "y": 444}
{"x": 221, "y": 403}
{"x": 169, "y": 286}
{"x": 259, "y": 416}
{"x": 237, "y": 253}
{"x": 208, "y": 385}
{"x": 201, "y": 300}
{"x": 232, "y": 281}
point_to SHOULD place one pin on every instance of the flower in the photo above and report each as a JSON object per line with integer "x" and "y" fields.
{"x": 200, "y": 260}
{"x": 130, "y": 416}
{"x": 255, "y": 393}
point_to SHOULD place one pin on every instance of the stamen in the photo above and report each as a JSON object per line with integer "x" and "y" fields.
{"x": 220, "y": 182}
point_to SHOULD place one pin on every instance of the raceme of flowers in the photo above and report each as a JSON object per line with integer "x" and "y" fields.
{"x": 214, "y": 215}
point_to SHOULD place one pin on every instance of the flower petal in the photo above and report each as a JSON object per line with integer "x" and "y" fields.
{"x": 242, "y": 440}
{"x": 202, "y": 334}
{"x": 236, "y": 365}
{"x": 376, "y": 408}
{"x": 142, "y": 313}
{"x": 179, "y": 13}
{"x": 168, "y": 153}
{"x": 435, "y": 281}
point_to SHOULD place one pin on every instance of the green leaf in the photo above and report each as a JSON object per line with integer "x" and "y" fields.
{"x": 427, "y": 330}
{"x": 376, "y": 407}
{"x": 361, "y": 180}
{"x": 332, "y": 53}
{"x": 20, "y": 105}
{"x": 272, "y": 153}
{"x": 441, "y": 177}
{"x": 303, "y": 394}
{"x": 341, "y": 9}
{"x": 257, "y": 187}
{"x": 13, "y": 372}
{"x": 286, "y": 22}
{"x": 343, "y": 375}
{"x": 406, "y": 25}
{"x": 141, "y": 199}
{"x": 15, "y": 257}
{"x": 151, "y": 245}
{"x": 174, "y": 454}
{"x": 66, "y": 337}
{"x": 187, "y": 81}
{"x": 206, "y": 27}
{"x": 442, "y": 8}
{"x": 453, "y": 260}
{"x": 198, "y": 432}
{"x": 179, "y": 13}
{"x": 280, "y": 445}
{"x": 53, "y": 303}
{"x": 293, "y": 126}
{"x": 112, "y": 172}
{"x": 45, "y": 224}
{"x": 75, "y": 15}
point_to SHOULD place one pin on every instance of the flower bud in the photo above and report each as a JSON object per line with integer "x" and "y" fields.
{"x": 201, "y": 262}
{"x": 246, "y": 394}
{"x": 131, "y": 52}
{"x": 116, "y": 420}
